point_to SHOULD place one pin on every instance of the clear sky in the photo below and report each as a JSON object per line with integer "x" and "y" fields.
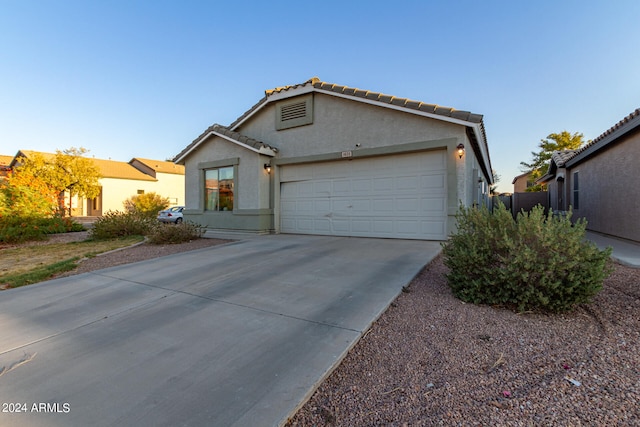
{"x": 127, "y": 78}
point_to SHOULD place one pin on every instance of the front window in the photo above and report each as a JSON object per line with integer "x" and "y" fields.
{"x": 218, "y": 189}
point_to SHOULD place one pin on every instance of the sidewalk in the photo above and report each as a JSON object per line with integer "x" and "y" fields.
{"x": 624, "y": 251}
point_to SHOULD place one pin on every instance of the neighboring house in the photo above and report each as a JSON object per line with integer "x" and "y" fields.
{"x": 119, "y": 181}
{"x": 5, "y": 161}
{"x": 600, "y": 180}
{"x": 522, "y": 182}
{"x": 320, "y": 158}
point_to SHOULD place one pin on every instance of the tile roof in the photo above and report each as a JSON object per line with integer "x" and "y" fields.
{"x": 625, "y": 125}
{"x": 225, "y": 131}
{"x": 5, "y": 160}
{"x": 561, "y": 157}
{"x": 570, "y": 157}
{"x": 121, "y": 170}
{"x": 316, "y": 83}
{"x": 161, "y": 166}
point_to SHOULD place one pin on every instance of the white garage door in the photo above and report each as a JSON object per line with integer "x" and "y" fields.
{"x": 399, "y": 196}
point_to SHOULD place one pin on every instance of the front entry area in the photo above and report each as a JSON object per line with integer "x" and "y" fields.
{"x": 395, "y": 196}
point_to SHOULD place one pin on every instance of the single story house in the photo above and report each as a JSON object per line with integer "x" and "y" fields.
{"x": 320, "y": 158}
{"x": 599, "y": 181}
{"x": 121, "y": 180}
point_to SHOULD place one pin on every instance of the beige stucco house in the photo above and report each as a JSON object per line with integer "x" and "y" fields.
{"x": 522, "y": 182}
{"x": 121, "y": 180}
{"x": 320, "y": 158}
{"x": 600, "y": 180}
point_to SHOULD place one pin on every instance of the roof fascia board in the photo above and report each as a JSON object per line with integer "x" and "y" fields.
{"x": 290, "y": 93}
{"x": 262, "y": 150}
{"x": 612, "y": 137}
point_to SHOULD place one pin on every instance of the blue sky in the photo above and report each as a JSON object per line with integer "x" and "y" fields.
{"x": 133, "y": 78}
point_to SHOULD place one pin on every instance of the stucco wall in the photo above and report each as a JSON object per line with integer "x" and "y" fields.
{"x": 251, "y": 179}
{"x": 340, "y": 124}
{"x": 172, "y": 186}
{"x": 116, "y": 191}
{"x": 609, "y": 195}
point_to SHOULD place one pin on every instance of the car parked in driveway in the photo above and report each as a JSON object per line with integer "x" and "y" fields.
{"x": 171, "y": 215}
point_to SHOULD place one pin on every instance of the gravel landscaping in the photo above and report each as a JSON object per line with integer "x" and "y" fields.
{"x": 432, "y": 360}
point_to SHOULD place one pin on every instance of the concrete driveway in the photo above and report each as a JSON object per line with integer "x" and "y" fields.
{"x": 233, "y": 335}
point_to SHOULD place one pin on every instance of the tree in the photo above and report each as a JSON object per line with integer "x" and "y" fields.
{"x": 540, "y": 160}
{"x": 23, "y": 194}
{"x": 496, "y": 179}
{"x": 147, "y": 205}
{"x": 66, "y": 171}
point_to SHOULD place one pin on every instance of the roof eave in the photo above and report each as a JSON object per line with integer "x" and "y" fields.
{"x": 262, "y": 150}
{"x": 632, "y": 125}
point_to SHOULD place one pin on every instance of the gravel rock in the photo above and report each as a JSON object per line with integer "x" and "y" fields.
{"x": 433, "y": 360}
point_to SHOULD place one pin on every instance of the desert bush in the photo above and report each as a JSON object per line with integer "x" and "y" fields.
{"x": 59, "y": 224}
{"x": 120, "y": 224}
{"x": 146, "y": 205}
{"x": 19, "y": 229}
{"x": 16, "y": 229}
{"x": 178, "y": 233}
{"x": 536, "y": 262}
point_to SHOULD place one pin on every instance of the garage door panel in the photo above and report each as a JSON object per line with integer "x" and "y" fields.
{"x": 411, "y": 183}
{"x": 383, "y": 226}
{"x": 383, "y": 184}
{"x": 432, "y": 181}
{"x": 362, "y": 186}
{"x": 411, "y": 206}
{"x": 392, "y": 196}
{"x": 322, "y": 187}
{"x": 361, "y": 226}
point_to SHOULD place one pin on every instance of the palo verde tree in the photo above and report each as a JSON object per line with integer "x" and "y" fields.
{"x": 66, "y": 171}
{"x": 553, "y": 142}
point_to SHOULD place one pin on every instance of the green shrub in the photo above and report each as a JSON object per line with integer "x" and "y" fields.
{"x": 15, "y": 229}
{"x": 120, "y": 224}
{"x": 59, "y": 224}
{"x": 178, "y": 233}
{"x": 537, "y": 262}
{"x": 147, "y": 205}
{"x": 27, "y": 228}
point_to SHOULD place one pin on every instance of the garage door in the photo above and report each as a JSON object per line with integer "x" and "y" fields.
{"x": 399, "y": 196}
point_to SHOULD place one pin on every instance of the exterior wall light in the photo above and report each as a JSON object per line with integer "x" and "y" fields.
{"x": 460, "y": 148}
{"x": 267, "y": 167}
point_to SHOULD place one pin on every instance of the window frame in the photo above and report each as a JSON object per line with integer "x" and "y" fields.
{"x": 217, "y": 165}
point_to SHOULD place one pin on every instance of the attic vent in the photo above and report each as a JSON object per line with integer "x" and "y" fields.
{"x": 294, "y": 112}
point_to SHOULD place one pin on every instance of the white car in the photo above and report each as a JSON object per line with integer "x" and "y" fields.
{"x": 171, "y": 215}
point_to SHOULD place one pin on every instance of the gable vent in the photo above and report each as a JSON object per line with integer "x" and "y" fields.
{"x": 294, "y": 112}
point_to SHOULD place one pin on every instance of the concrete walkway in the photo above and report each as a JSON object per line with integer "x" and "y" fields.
{"x": 234, "y": 335}
{"x": 624, "y": 251}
